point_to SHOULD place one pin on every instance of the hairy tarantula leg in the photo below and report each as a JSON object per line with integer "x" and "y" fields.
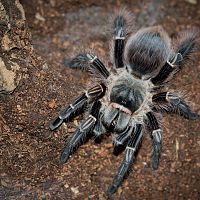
{"x": 81, "y": 132}
{"x": 167, "y": 70}
{"x": 120, "y": 139}
{"x": 187, "y": 43}
{"x": 90, "y": 63}
{"x": 79, "y": 104}
{"x": 176, "y": 105}
{"x": 156, "y": 136}
{"x": 129, "y": 158}
{"x": 119, "y": 41}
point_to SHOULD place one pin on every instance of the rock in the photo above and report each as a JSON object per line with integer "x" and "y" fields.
{"x": 74, "y": 190}
{"x": 52, "y": 104}
{"x": 66, "y": 185}
{"x": 39, "y": 17}
{"x": 8, "y": 78}
{"x": 194, "y": 2}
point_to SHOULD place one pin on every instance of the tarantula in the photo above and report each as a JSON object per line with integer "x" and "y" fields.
{"x": 132, "y": 96}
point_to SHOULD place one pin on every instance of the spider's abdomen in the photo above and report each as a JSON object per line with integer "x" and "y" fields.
{"x": 147, "y": 51}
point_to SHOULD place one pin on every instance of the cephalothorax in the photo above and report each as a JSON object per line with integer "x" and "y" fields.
{"x": 132, "y": 96}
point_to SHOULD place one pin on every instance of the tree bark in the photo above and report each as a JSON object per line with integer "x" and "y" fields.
{"x": 16, "y": 51}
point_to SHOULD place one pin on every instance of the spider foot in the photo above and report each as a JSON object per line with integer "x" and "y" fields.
{"x": 156, "y": 137}
{"x": 65, "y": 155}
{"x": 113, "y": 188}
{"x": 182, "y": 107}
{"x": 123, "y": 170}
{"x": 55, "y": 123}
{"x": 156, "y": 155}
{"x": 187, "y": 113}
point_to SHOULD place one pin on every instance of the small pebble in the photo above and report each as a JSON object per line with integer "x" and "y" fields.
{"x": 52, "y": 104}
{"x": 39, "y": 17}
{"x": 194, "y": 2}
{"x": 66, "y": 185}
{"x": 74, "y": 190}
{"x": 45, "y": 67}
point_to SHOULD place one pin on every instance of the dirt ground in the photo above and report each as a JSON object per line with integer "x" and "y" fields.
{"x": 30, "y": 152}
